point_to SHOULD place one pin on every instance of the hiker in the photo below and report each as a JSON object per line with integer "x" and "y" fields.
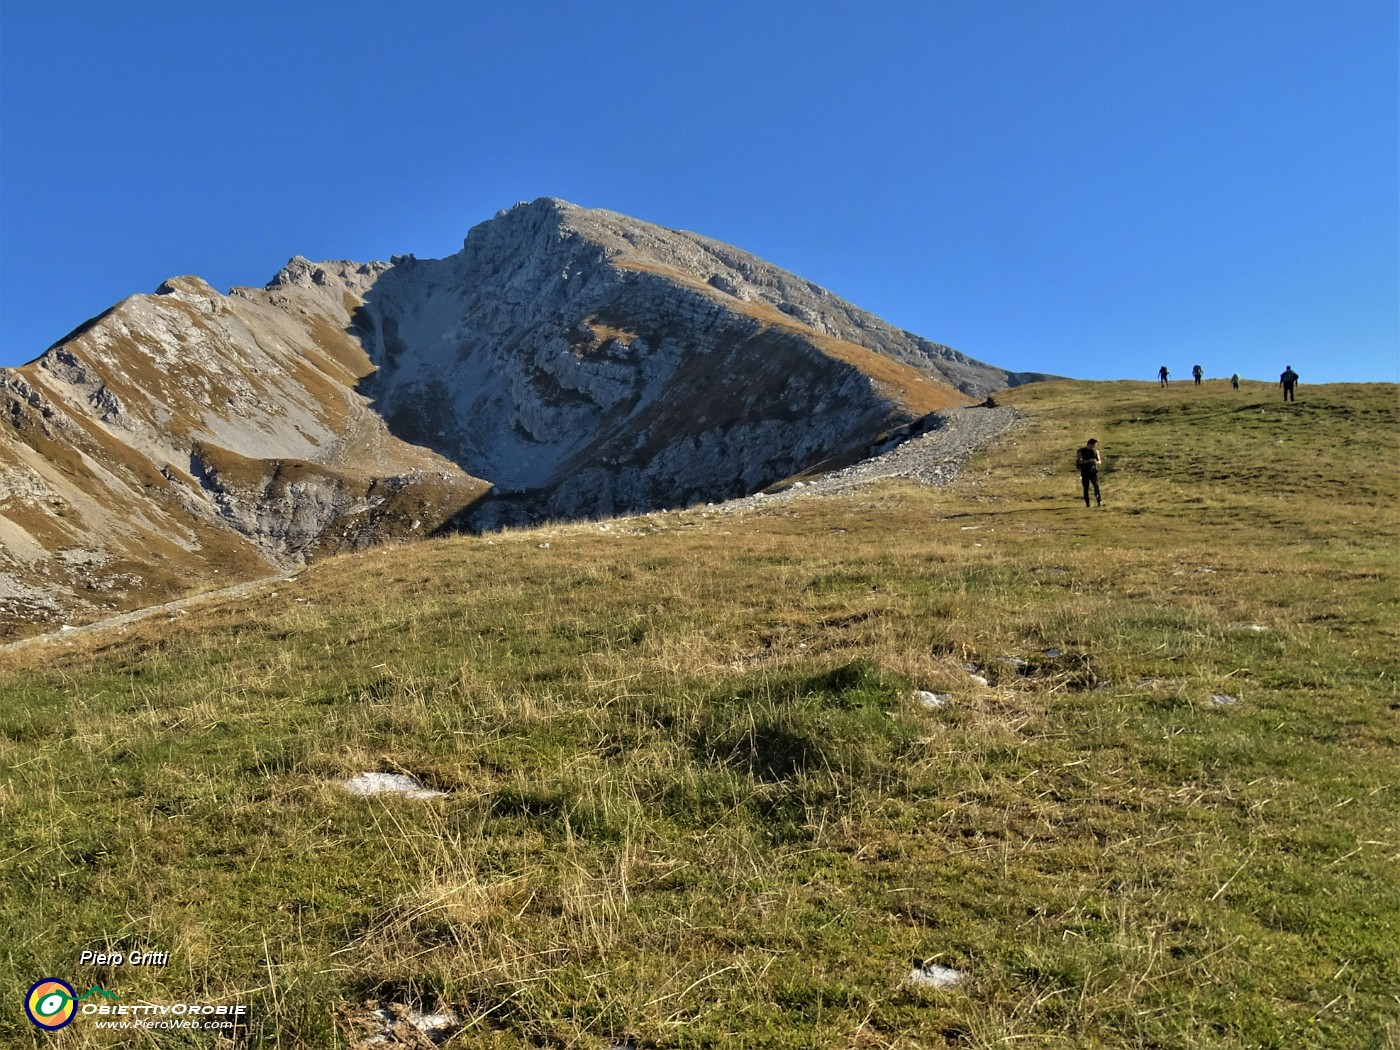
{"x": 1196, "y": 372}
{"x": 1288, "y": 381}
{"x": 1162, "y": 374}
{"x": 1087, "y": 459}
{"x": 1235, "y": 380}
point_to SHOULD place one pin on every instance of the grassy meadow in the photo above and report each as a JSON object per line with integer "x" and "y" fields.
{"x": 692, "y": 800}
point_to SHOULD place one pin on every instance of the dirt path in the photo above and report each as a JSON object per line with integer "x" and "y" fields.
{"x": 172, "y": 607}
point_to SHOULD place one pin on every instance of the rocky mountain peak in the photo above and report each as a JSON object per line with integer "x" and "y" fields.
{"x": 567, "y": 361}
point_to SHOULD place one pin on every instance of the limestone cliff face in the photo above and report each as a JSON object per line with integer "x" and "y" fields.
{"x": 566, "y": 362}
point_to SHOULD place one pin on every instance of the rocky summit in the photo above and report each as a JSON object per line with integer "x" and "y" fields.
{"x": 566, "y": 362}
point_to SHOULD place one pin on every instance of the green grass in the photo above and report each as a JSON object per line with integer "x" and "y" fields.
{"x": 693, "y": 802}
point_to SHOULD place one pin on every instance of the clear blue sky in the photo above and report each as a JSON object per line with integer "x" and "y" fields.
{"x": 1087, "y": 187}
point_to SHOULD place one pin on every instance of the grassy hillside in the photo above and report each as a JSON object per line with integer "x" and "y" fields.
{"x": 692, "y": 798}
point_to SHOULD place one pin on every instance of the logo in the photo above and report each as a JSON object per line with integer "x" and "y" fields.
{"x": 52, "y": 1004}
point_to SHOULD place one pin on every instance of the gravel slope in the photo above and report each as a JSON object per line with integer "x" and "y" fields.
{"x": 934, "y": 458}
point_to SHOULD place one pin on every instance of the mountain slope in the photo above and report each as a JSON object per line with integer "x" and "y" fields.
{"x": 565, "y": 363}
{"x": 186, "y": 437}
{"x": 690, "y": 796}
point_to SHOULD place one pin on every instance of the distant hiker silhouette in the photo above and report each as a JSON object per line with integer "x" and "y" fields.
{"x": 1235, "y": 380}
{"x": 1087, "y": 459}
{"x": 1162, "y": 374}
{"x": 1196, "y": 372}
{"x": 1288, "y": 381}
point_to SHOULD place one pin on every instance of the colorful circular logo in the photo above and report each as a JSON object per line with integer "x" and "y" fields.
{"x": 51, "y": 1003}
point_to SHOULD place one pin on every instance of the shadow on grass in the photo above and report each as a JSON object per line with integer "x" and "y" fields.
{"x": 838, "y": 723}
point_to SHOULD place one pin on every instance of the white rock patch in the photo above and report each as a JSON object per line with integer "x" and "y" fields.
{"x": 933, "y": 976}
{"x": 435, "y": 1027}
{"x": 389, "y": 784}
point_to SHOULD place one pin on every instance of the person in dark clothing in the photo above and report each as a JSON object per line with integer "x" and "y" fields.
{"x": 1288, "y": 381}
{"x": 1162, "y": 374}
{"x": 1196, "y": 372}
{"x": 1087, "y": 459}
{"x": 1235, "y": 380}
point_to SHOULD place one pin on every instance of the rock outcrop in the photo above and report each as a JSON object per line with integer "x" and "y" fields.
{"x": 566, "y": 362}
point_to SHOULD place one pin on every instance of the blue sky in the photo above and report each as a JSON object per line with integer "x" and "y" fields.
{"x": 1086, "y": 187}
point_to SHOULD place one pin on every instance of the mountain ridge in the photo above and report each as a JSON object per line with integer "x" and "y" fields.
{"x": 566, "y": 362}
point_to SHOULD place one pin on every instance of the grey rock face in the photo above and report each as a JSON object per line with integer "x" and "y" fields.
{"x": 589, "y": 363}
